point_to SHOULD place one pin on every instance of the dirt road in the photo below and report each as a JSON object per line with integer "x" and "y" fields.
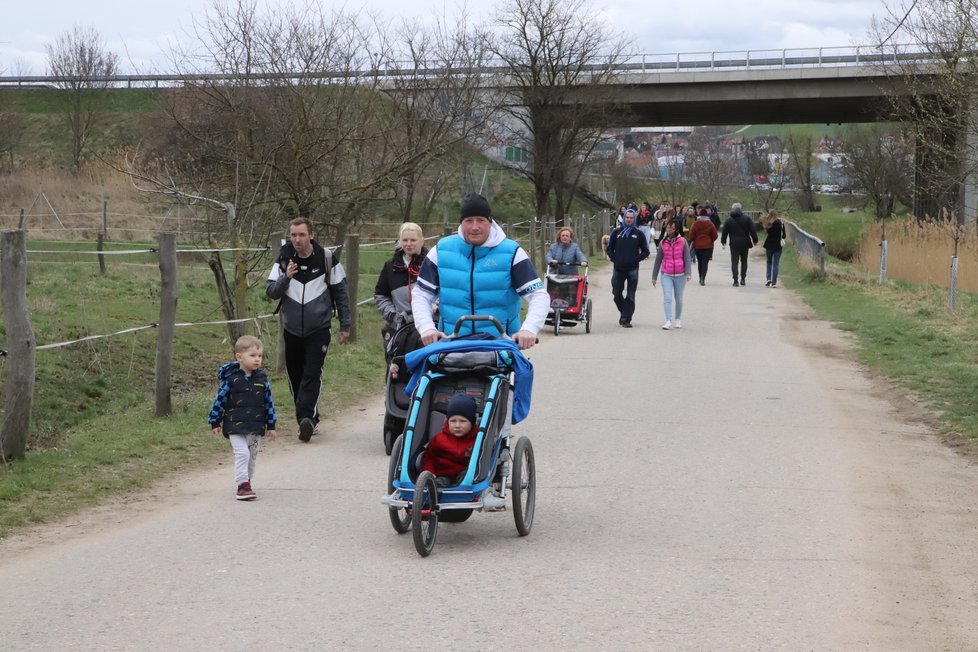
{"x": 739, "y": 484}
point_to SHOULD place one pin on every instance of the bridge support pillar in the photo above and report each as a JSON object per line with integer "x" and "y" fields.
{"x": 969, "y": 189}
{"x": 938, "y": 189}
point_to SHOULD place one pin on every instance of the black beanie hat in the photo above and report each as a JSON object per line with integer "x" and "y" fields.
{"x": 475, "y": 205}
{"x": 461, "y": 405}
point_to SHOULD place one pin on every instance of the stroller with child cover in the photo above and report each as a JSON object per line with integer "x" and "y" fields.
{"x": 569, "y": 303}
{"x": 494, "y": 372}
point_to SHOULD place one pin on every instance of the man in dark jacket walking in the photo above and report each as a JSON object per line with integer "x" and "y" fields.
{"x": 627, "y": 247}
{"x": 310, "y": 286}
{"x": 740, "y": 229}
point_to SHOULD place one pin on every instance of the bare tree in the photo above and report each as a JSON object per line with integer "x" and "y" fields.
{"x": 81, "y": 66}
{"x": 772, "y": 162}
{"x": 934, "y": 95}
{"x": 442, "y": 106}
{"x": 879, "y": 162}
{"x": 709, "y": 163}
{"x": 316, "y": 114}
{"x": 800, "y": 145}
{"x": 11, "y": 133}
{"x": 558, "y": 56}
{"x": 674, "y": 183}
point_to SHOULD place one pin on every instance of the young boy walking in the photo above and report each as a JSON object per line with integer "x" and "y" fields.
{"x": 243, "y": 410}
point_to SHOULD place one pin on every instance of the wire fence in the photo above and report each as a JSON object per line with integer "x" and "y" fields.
{"x": 528, "y": 232}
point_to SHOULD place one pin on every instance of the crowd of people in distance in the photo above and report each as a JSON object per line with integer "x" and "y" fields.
{"x": 678, "y": 237}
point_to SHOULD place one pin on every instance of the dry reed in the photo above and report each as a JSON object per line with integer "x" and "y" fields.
{"x": 63, "y": 205}
{"x": 920, "y": 252}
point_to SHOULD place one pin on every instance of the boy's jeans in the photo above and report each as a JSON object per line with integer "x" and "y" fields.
{"x": 673, "y": 284}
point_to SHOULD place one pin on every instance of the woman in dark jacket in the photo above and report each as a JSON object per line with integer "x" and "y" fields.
{"x": 772, "y": 246}
{"x": 393, "y": 291}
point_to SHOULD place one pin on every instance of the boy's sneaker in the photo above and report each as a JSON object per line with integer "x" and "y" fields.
{"x": 245, "y": 492}
{"x": 678, "y": 323}
{"x": 667, "y": 326}
{"x": 306, "y": 426}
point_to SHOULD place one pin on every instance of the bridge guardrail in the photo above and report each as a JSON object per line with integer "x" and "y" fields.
{"x": 807, "y": 245}
{"x": 641, "y": 63}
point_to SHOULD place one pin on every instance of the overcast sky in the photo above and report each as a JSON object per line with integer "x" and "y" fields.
{"x": 139, "y": 30}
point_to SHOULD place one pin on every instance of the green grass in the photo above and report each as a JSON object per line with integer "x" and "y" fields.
{"x": 93, "y": 434}
{"x": 906, "y": 334}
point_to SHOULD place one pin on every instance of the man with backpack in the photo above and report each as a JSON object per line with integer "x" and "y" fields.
{"x": 309, "y": 285}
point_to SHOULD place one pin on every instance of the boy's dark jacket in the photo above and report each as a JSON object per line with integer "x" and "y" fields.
{"x": 243, "y": 405}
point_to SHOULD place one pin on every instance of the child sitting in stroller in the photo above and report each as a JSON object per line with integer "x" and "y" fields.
{"x": 448, "y": 453}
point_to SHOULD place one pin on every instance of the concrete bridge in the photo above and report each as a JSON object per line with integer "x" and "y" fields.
{"x": 787, "y": 86}
{"x": 837, "y": 85}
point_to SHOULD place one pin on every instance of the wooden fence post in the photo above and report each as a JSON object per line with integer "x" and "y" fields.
{"x": 100, "y": 241}
{"x": 351, "y": 245}
{"x": 19, "y": 385}
{"x": 168, "y": 316}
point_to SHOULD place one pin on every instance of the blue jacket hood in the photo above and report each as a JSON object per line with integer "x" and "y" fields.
{"x": 228, "y": 370}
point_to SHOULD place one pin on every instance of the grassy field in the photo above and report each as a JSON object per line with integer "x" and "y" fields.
{"x": 93, "y": 433}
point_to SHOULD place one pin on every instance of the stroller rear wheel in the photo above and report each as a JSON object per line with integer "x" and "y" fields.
{"x": 587, "y": 317}
{"x": 400, "y": 518}
{"x": 556, "y": 322}
{"x": 524, "y": 486}
{"x": 424, "y": 513}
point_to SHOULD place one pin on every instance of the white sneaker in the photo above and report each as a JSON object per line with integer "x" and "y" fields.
{"x": 493, "y": 503}
{"x": 667, "y": 326}
{"x": 678, "y": 323}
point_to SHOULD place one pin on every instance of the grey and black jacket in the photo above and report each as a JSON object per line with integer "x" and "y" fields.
{"x": 308, "y": 299}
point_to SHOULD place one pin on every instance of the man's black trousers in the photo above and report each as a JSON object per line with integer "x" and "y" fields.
{"x": 304, "y": 360}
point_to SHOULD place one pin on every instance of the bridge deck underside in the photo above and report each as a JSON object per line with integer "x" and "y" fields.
{"x": 770, "y": 101}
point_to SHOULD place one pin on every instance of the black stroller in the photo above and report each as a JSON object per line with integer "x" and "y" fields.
{"x": 400, "y": 338}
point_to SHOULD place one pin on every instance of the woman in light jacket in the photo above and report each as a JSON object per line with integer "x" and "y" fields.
{"x": 565, "y": 255}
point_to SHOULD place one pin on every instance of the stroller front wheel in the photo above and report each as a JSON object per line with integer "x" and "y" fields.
{"x": 424, "y": 513}
{"x": 524, "y": 486}
{"x": 400, "y": 518}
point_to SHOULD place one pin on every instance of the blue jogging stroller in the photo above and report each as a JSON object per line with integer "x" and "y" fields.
{"x": 494, "y": 372}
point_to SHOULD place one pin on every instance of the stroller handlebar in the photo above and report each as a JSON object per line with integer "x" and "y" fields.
{"x": 477, "y": 318}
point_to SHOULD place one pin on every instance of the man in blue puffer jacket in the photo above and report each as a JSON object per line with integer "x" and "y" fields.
{"x": 479, "y": 272}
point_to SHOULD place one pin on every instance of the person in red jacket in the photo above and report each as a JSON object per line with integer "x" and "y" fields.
{"x": 448, "y": 453}
{"x": 702, "y": 235}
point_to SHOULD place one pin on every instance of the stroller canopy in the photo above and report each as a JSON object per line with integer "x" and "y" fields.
{"x": 506, "y": 356}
